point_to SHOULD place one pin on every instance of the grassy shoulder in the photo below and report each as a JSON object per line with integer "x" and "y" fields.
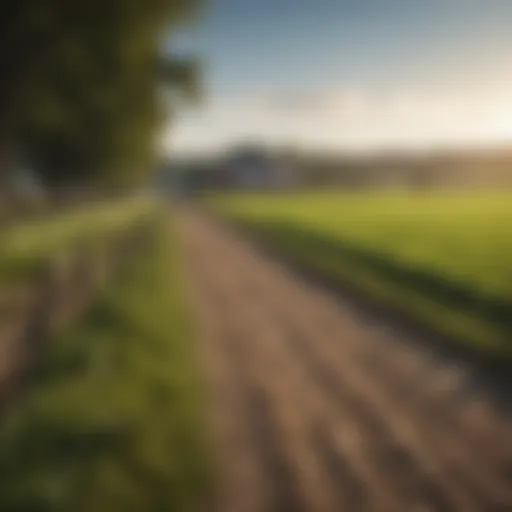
{"x": 473, "y": 321}
{"x": 113, "y": 419}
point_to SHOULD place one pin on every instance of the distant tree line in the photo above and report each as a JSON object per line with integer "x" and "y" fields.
{"x": 454, "y": 168}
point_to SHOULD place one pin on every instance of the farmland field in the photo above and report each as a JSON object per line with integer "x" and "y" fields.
{"x": 444, "y": 257}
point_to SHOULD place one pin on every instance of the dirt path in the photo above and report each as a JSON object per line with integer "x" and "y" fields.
{"x": 314, "y": 410}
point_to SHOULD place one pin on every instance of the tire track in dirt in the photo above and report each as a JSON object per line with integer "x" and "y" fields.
{"x": 450, "y": 447}
{"x": 389, "y": 456}
{"x": 314, "y": 410}
{"x": 402, "y": 444}
{"x": 261, "y": 475}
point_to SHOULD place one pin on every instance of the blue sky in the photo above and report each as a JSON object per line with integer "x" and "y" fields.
{"x": 350, "y": 73}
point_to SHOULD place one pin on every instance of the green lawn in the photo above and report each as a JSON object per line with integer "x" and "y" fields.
{"x": 444, "y": 258}
{"x": 25, "y": 247}
{"x": 113, "y": 420}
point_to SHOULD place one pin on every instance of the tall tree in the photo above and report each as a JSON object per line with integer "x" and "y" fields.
{"x": 83, "y": 92}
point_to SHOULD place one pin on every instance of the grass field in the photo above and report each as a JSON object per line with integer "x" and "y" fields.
{"x": 113, "y": 421}
{"x": 444, "y": 258}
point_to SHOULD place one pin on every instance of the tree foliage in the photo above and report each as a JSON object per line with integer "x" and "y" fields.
{"x": 81, "y": 89}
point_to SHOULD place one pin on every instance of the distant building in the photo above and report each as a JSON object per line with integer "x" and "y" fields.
{"x": 253, "y": 168}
